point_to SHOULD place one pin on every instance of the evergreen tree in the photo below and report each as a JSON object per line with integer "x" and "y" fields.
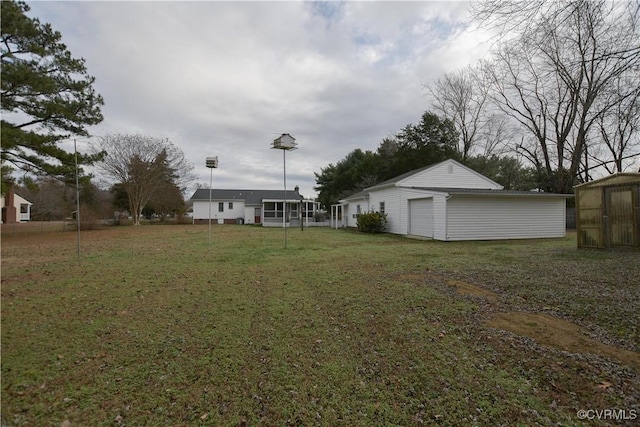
{"x": 431, "y": 141}
{"x": 47, "y": 96}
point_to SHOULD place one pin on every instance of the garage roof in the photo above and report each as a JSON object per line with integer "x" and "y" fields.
{"x": 486, "y": 192}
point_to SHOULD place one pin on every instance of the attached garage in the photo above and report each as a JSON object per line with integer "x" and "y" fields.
{"x": 421, "y": 217}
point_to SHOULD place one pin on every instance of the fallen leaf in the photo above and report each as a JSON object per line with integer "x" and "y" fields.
{"x": 604, "y": 385}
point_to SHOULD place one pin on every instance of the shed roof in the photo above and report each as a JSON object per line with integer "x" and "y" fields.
{"x": 250, "y": 197}
{"x": 620, "y": 178}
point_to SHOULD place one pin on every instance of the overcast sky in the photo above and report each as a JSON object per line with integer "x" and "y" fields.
{"x": 227, "y": 78}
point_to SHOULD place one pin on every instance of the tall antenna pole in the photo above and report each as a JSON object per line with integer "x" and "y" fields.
{"x": 75, "y": 151}
{"x": 210, "y": 191}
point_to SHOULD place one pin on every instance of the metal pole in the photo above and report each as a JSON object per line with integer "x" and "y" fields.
{"x": 284, "y": 205}
{"x": 75, "y": 150}
{"x": 210, "y": 190}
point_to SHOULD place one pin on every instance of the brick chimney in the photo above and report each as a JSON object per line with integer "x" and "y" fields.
{"x": 11, "y": 213}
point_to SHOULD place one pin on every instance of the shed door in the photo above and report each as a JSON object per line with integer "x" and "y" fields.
{"x": 621, "y": 208}
{"x": 421, "y": 217}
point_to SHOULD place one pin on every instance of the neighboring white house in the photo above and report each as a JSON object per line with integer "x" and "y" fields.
{"x": 449, "y": 201}
{"x": 21, "y": 211}
{"x": 252, "y": 207}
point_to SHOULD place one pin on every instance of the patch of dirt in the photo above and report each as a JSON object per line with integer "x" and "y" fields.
{"x": 465, "y": 288}
{"x": 545, "y": 329}
{"x": 552, "y": 331}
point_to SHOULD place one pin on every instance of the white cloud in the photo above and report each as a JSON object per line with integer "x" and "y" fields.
{"x": 226, "y": 78}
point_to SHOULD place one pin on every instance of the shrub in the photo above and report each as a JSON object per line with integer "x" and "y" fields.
{"x": 372, "y": 222}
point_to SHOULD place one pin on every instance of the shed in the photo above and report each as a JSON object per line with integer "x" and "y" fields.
{"x": 608, "y": 211}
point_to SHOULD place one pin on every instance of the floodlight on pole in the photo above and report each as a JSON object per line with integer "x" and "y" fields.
{"x": 211, "y": 163}
{"x": 284, "y": 142}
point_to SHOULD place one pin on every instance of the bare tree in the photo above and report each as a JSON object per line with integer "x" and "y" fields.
{"x": 619, "y": 127}
{"x": 554, "y": 71}
{"x": 462, "y": 96}
{"x": 143, "y": 165}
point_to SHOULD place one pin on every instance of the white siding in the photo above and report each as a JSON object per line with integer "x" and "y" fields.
{"x": 489, "y": 218}
{"x": 350, "y": 219}
{"x": 397, "y": 202}
{"x": 201, "y": 210}
{"x": 421, "y": 217}
{"x": 440, "y": 217}
{"x": 250, "y": 214}
{"x": 449, "y": 174}
{"x": 390, "y": 197}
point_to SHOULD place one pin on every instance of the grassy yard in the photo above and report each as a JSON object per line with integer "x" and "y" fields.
{"x": 154, "y": 326}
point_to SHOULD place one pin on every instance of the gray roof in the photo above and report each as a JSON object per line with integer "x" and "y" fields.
{"x": 489, "y": 192}
{"x": 472, "y": 192}
{"x": 359, "y": 195}
{"x": 250, "y": 197}
{"x": 403, "y": 176}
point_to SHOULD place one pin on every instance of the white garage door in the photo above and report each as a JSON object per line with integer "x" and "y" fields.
{"x": 421, "y": 217}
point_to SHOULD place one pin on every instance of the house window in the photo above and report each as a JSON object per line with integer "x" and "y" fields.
{"x": 24, "y": 208}
{"x": 358, "y": 210}
{"x": 382, "y": 207}
{"x": 220, "y": 207}
{"x": 230, "y": 205}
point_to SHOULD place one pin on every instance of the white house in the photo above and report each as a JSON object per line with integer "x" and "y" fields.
{"x": 15, "y": 208}
{"x": 449, "y": 201}
{"x": 252, "y": 207}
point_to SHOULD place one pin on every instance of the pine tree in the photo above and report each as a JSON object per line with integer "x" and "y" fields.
{"x": 47, "y": 96}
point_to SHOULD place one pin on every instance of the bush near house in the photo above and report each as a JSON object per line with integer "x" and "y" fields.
{"x": 372, "y": 222}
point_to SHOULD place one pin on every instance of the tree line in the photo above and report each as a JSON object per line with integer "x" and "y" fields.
{"x": 432, "y": 140}
{"x": 149, "y": 175}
